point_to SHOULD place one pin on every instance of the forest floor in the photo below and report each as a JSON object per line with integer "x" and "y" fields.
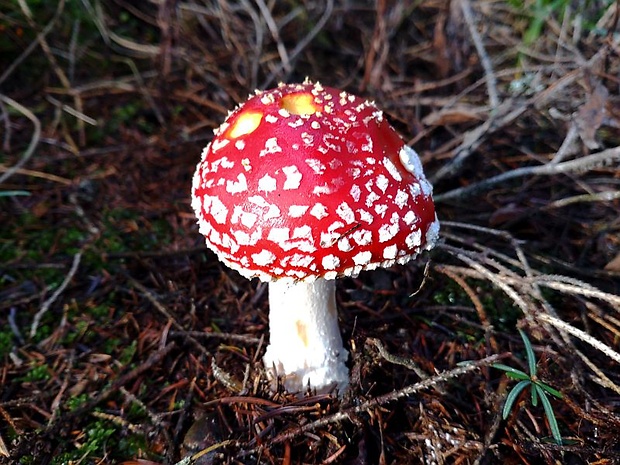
{"x": 125, "y": 341}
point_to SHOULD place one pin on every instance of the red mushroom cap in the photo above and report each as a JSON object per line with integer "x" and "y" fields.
{"x": 305, "y": 181}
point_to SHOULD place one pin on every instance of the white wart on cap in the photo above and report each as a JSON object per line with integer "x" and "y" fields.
{"x": 305, "y": 181}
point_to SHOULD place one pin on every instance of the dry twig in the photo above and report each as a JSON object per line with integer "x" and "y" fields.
{"x": 34, "y": 141}
{"x": 48, "y": 303}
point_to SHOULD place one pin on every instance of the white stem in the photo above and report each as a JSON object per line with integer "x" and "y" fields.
{"x": 305, "y": 347}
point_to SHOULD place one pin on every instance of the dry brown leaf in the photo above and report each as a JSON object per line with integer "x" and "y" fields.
{"x": 4, "y": 452}
{"x": 456, "y": 115}
{"x": 591, "y": 114}
{"x": 614, "y": 264}
{"x": 440, "y": 47}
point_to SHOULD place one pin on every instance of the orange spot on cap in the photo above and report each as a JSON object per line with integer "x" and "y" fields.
{"x": 245, "y": 124}
{"x": 300, "y": 104}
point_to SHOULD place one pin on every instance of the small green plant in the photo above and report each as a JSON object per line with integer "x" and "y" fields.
{"x": 538, "y": 389}
{"x": 538, "y": 12}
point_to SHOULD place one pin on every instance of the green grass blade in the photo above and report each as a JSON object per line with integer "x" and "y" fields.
{"x": 512, "y": 397}
{"x": 550, "y": 390}
{"x": 510, "y": 371}
{"x": 13, "y": 193}
{"x": 553, "y": 424}
{"x": 534, "y": 394}
{"x": 529, "y": 353}
{"x": 533, "y": 31}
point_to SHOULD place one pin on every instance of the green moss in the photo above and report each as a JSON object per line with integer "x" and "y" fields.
{"x": 77, "y": 333}
{"x": 111, "y": 345}
{"x": 103, "y": 438}
{"x": 101, "y": 311}
{"x": 500, "y": 310}
{"x": 126, "y": 355}
{"x": 36, "y": 374}
{"x": 6, "y": 342}
{"x": 451, "y": 294}
{"x": 45, "y": 329}
{"x": 99, "y": 437}
{"x": 75, "y": 402}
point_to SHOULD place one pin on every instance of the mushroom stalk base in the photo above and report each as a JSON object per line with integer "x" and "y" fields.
{"x": 305, "y": 348}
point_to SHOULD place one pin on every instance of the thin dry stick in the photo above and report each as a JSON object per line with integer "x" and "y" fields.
{"x": 606, "y": 196}
{"x": 557, "y": 282}
{"x": 154, "y": 359}
{"x": 303, "y": 43}
{"x": 575, "y": 286}
{"x": 154, "y": 417}
{"x": 273, "y": 28}
{"x": 37, "y": 174}
{"x": 491, "y": 80}
{"x": 486, "y": 255}
{"x": 62, "y": 76}
{"x": 4, "y": 115}
{"x": 488, "y": 437}
{"x": 72, "y": 111}
{"x": 206, "y": 335}
{"x": 536, "y": 293}
{"x": 561, "y": 42}
{"x": 76, "y": 98}
{"x": 47, "y": 304}
{"x": 499, "y": 281}
{"x": 597, "y": 160}
{"x": 259, "y": 40}
{"x": 192, "y": 459}
{"x": 610, "y": 322}
{"x": 141, "y": 50}
{"x": 504, "y": 114}
{"x": 568, "y": 145}
{"x": 14, "y": 326}
{"x": 96, "y": 15}
{"x": 36, "y": 136}
{"x": 75, "y": 33}
{"x": 560, "y": 283}
{"x": 144, "y": 91}
{"x": 427, "y": 383}
{"x": 407, "y": 363}
{"x": 579, "y": 334}
{"x": 227, "y": 380}
{"x": 41, "y": 36}
{"x": 44, "y": 45}
{"x": 600, "y": 378}
{"x": 164, "y": 311}
{"x": 474, "y": 227}
{"x": 482, "y": 314}
{"x": 57, "y": 401}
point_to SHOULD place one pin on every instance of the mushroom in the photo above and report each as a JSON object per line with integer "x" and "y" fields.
{"x": 300, "y": 185}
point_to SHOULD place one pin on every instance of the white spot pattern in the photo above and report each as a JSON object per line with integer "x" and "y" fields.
{"x": 267, "y": 184}
{"x": 293, "y": 177}
{"x": 240, "y": 185}
{"x": 274, "y": 200}
{"x": 297, "y": 211}
{"x": 319, "y": 211}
